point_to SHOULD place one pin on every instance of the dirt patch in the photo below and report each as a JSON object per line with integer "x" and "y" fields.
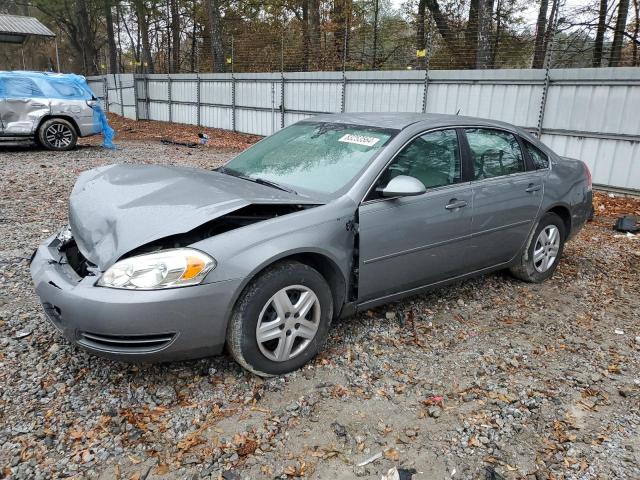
{"x": 489, "y": 375}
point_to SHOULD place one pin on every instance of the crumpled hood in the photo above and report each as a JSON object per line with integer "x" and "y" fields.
{"x": 117, "y": 208}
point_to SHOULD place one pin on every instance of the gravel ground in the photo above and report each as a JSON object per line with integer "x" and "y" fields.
{"x": 491, "y": 377}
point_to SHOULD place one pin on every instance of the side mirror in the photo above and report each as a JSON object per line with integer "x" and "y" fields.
{"x": 402, "y": 186}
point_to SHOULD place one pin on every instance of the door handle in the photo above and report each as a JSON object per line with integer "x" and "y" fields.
{"x": 454, "y": 203}
{"x": 533, "y": 187}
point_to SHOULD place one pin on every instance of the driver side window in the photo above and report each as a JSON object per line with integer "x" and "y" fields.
{"x": 433, "y": 158}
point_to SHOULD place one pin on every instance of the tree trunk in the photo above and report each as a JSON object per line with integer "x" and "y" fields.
{"x": 636, "y": 32}
{"x": 376, "y": 11}
{"x": 111, "y": 40}
{"x": 215, "y": 27}
{"x": 420, "y": 33}
{"x": 496, "y": 40}
{"x": 175, "y": 36}
{"x": 485, "y": 24}
{"x": 143, "y": 23}
{"x": 551, "y": 28}
{"x": 602, "y": 26}
{"x": 538, "y": 49}
{"x": 442, "y": 24}
{"x": 314, "y": 30}
{"x": 87, "y": 40}
{"x": 340, "y": 18}
{"x": 305, "y": 35}
{"x": 618, "y": 36}
{"x": 471, "y": 34}
{"x": 194, "y": 31}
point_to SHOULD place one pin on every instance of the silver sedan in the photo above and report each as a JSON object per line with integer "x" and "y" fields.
{"x": 330, "y": 216}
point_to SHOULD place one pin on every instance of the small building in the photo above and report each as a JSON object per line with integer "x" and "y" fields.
{"x": 16, "y": 29}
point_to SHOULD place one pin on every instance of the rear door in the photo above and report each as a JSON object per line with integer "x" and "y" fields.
{"x": 506, "y": 196}
{"x": 24, "y": 106}
{"x": 409, "y": 242}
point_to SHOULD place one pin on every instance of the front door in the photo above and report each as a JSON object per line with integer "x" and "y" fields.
{"x": 409, "y": 242}
{"x": 506, "y": 196}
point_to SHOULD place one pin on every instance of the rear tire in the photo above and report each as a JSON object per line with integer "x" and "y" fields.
{"x": 57, "y": 134}
{"x": 540, "y": 257}
{"x": 281, "y": 319}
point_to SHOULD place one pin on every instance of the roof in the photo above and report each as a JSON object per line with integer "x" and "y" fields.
{"x": 398, "y": 121}
{"x": 16, "y": 29}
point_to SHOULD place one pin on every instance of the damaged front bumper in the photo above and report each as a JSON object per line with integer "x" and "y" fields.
{"x": 158, "y": 325}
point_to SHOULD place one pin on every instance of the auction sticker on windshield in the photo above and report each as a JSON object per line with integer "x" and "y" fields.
{"x": 359, "y": 139}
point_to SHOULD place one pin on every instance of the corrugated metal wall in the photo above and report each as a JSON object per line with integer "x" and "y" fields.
{"x": 591, "y": 114}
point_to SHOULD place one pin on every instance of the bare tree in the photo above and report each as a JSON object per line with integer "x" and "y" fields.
{"x": 143, "y": 24}
{"x": 618, "y": 35}
{"x": 215, "y": 28}
{"x": 485, "y": 25}
{"x": 551, "y": 26}
{"x": 602, "y": 26}
{"x": 175, "y": 36}
{"x": 636, "y": 32}
{"x": 376, "y": 11}
{"x": 111, "y": 40}
{"x": 314, "y": 27}
{"x": 442, "y": 23}
{"x": 420, "y": 33}
{"x": 538, "y": 49}
{"x": 471, "y": 34}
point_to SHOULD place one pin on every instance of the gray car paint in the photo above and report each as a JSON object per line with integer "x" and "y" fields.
{"x": 116, "y": 208}
{"x": 377, "y": 251}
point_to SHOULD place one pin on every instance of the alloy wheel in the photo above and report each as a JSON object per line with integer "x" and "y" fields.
{"x": 288, "y": 323}
{"x": 546, "y": 248}
{"x": 59, "y": 135}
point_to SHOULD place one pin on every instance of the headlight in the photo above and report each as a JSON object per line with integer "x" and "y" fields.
{"x": 178, "y": 267}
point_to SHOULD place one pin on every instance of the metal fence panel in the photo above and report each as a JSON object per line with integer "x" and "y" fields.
{"x": 216, "y": 117}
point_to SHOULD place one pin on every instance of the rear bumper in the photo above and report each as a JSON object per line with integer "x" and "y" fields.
{"x": 581, "y": 214}
{"x": 153, "y": 326}
{"x": 88, "y": 126}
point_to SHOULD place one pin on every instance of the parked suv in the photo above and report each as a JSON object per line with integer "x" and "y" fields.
{"x": 52, "y": 109}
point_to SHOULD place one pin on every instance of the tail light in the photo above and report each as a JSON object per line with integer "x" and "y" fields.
{"x": 589, "y": 177}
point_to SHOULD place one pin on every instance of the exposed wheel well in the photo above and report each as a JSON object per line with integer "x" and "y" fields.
{"x": 565, "y": 215}
{"x": 328, "y": 269}
{"x": 64, "y": 117}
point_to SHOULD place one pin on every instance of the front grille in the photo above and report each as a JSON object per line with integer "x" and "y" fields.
{"x": 126, "y": 343}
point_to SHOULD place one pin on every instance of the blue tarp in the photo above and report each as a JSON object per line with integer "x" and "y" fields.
{"x": 59, "y": 86}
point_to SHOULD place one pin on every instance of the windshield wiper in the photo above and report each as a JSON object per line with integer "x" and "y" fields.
{"x": 269, "y": 183}
{"x": 261, "y": 181}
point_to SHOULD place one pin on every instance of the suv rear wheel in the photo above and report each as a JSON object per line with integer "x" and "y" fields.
{"x": 57, "y": 134}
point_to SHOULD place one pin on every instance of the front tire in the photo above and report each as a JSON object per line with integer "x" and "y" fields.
{"x": 544, "y": 248}
{"x": 57, "y": 134}
{"x": 281, "y": 319}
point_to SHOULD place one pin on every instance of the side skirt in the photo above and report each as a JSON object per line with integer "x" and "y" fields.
{"x": 422, "y": 289}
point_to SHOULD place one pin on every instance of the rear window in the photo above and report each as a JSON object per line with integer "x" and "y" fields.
{"x": 20, "y": 88}
{"x": 540, "y": 159}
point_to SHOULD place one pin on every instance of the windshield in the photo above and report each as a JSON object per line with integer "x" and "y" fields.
{"x": 316, "y": 156}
